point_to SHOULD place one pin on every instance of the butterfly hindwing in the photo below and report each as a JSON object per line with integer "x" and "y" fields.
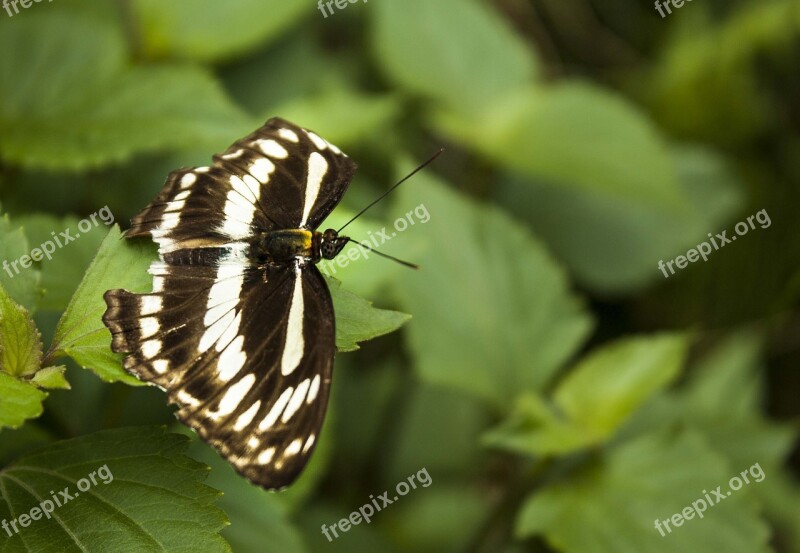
{"x": 251, "y": 374}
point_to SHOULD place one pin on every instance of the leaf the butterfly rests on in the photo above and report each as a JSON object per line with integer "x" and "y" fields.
{"x": 239, "y": 328}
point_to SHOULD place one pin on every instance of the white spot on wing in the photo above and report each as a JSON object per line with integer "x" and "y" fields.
{"x": 230, "y": 333}
{"x": 239, "y": 186}
{"x": 151, "y": 348}
{"x": 158, "y": 284}
{"x": 266, "y": 456}
{"x": 317, "y": 168}
{"x": 231, "y": 360}
{"x": 295, "y": 344}
{"x": 215, "y": 331}
{"x": 185, "y": 398}
{"x": 309, "y": 443}
{"x": 238, "y": 216}
{"x": 216, "y": 312}
{"x": 288, "y": 134}
{"x": 321, "y": 143}
{"x": 148, "y": 327}
{"x": 294, "y": 447}
{"x": 188, "y": 179}
{"x": 261, "y": 169}
{"x": 160, "y": 366}
{"x": 313, "y": 390}
{"x": 247, "y": 417}
{"x": 224, "y": 292}
{"x": 276, "y": 410}
{"x": 232, "y": 155}
{"x": 297, "y": 399}
{"x": 317, "y": 140}
{"x": 169, "y": 220}
{"x": 150, "y": 305}
{"x": 234, "y": 396}
{"x": 272, "y": 149}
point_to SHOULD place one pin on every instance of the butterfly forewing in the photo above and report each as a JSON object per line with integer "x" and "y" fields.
{"x": 244, "y": 349}
{"x": 279, "y": 177}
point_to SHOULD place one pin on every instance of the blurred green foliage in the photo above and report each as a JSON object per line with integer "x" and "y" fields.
{"x": 560, "y": 392}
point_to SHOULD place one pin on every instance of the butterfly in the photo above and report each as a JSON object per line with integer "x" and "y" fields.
{"x": 239, "y": 329}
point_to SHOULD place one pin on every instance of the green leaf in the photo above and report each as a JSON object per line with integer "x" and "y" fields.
{"x": 19, "y": 401}
{"x": 63, "y": 269}
{"x": 589, "y": 156}
{"x": 20, "y": 340}
{"x": 536, "y": 428}
{"x": 27, "y": 438}
{"x": 614, "y": 244}
{"x": 253, "y": 511}
{"x": 493, "y": 314}
{"x": 21, "y": 375}
{"x": 711, "y": 85}
{"x": 459, "y": 52}
{"x": 356, "y": 319}
{"x": 20, "y": 282}
{"x": 579, "y": 136}
{"x": 363, "y": 389}
{"x": 594, "y": 399}
{"x": 439, "y": 427}
{"x": 341, "y": 115}
{"x": 723, "y": 400}
{"x": 51, "y": 378}
{"x": 441, "y": 517}
{"x": 438, "y": 430}
{"x": 207, "y": 30}
{"x": 146, "y": 496}
{"x": 83, "y": 107}
{"x": 604, "y": 389}
{"x": 616, "y": 501}
{"x": 80, "y": 333}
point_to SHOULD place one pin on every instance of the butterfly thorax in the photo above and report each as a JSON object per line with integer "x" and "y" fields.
{"x": 282, "y": 246}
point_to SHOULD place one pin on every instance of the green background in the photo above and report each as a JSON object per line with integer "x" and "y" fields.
{"x": 561, "y": 393}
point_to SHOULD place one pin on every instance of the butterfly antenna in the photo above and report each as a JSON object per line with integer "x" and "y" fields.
{"x": 401, "y": 181}
{"x": 387, "y": 256}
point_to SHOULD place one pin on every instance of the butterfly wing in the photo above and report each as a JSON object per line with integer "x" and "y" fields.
{"x": 279, "y": 177}
{"x": 252, "y": 374}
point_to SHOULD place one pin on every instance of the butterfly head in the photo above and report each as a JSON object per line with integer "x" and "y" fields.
{"x": 332, "y": 244}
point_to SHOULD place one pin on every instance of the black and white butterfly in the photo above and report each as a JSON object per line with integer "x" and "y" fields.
{"x": 239, "y": 327}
